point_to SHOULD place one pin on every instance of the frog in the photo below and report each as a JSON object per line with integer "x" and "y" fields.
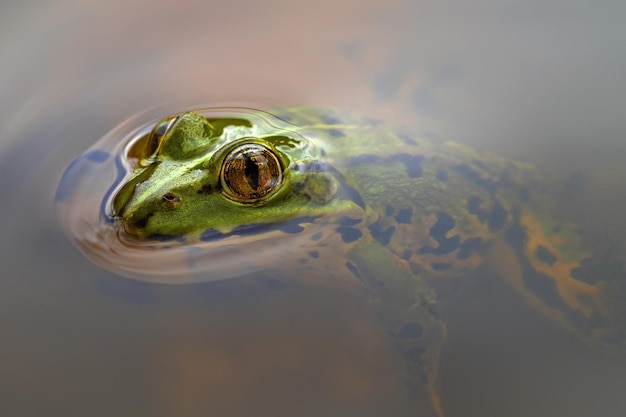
{"x": 322, "y": 197}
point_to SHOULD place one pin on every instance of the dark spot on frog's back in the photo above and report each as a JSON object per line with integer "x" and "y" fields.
{"x": 444, "y": 224}
{"x": 404, "y": 215}
{"x": 412, "y": 164}
{"x": 495, "y": 218}
{"x": 442, "y": 174}
{"x": 545, "y": 256}
{"x": 349, "y": 234}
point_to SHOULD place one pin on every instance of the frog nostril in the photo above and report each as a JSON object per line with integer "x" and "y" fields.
{"x": 171, "y": 197}
{"x": 170, "y": 200}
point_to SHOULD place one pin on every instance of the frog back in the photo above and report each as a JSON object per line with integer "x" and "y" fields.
{"x": 445, "y": 209}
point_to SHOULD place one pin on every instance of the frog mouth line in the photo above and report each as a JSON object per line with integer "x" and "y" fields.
{"x": 291, "y": 226}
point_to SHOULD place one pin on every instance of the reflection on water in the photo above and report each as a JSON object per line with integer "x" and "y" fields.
{"x": 110, "y": 197}
{"x": 539, "y": 82}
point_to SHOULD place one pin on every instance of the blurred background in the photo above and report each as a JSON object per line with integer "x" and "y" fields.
{"x": 539, "y": 81}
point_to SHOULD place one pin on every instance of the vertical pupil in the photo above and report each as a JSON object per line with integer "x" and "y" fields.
{"x": 249, "y": 173}
{"x": 252, "y": 172}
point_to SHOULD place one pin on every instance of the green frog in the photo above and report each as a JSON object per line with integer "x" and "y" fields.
{"x": 321, "y": 197}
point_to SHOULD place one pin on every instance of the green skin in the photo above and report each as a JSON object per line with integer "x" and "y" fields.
{"x": 393, "y": 211}
{"x": 185, "y": 166}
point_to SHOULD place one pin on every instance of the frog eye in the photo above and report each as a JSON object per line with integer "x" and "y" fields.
{"x": 250, "y": 172}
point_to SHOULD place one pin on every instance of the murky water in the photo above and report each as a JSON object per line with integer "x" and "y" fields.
{"x": 541, "y": 82}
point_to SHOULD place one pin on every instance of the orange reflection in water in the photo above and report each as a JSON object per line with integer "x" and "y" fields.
{"x": 325, "y": 357}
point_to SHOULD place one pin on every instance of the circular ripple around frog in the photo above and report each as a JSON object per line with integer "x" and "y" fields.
{"x": 86, "y": 196}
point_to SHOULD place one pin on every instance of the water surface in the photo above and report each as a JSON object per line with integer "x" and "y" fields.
{"x": 536, "y": 81}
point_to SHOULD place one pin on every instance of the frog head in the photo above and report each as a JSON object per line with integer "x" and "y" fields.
{"x": 196, "y": 174}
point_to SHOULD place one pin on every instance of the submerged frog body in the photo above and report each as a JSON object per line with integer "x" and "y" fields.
{"x": 324, "y": 198}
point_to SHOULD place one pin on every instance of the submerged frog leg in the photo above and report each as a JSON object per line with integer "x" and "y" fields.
{"x": 546, "y": 264}
{"x": 404, "y": 310}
